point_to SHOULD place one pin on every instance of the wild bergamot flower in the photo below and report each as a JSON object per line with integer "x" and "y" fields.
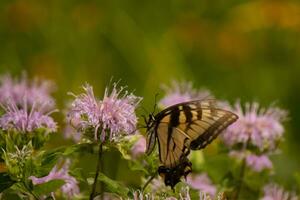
{"x": 256, "y": 126}
{"x": 70, "y": 188}
{"x": 36, "y": 91}
{"x": 24, "y": 119}
{"x": 110, "y": 117}
{"x": 276, "y": 192}
{"x": 179, "y": 92}
{"x": 202, "y": 183}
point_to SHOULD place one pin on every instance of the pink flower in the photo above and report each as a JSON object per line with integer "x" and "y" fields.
{"x": 139, "y": 147}
{"x": 180, "y": 92}
{"x": 114, "y": 115}
{"x": 157, "y": 185}
{"x": 70, "y": 133}
{"x": 85, "y": 110}
{"x": 256, "y": 126}
{"x": 202, "y": 183}
{"x": 275, "y": 192}
{"x": 21, "y": 119}
{"x": 36, "y": 91}
{"x": 70, "y": 188}
{"x": 118, "y": 112}
{"x": 258, "y": 163}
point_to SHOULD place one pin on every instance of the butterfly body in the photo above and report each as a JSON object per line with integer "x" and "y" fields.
{"x": 172, "y": 175}
{"x": 184, "y": 127}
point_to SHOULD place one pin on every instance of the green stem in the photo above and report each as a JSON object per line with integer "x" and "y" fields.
{"x": 30, "y": 192}
{"x": 148, "y": 182}
{"x": 241, "y": 179}
{"x": 93, "y": 193}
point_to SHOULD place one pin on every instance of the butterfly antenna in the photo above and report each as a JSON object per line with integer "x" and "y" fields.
{"x": 144, "y": 109}
{"x": 145, "y": 119}
{"x": 148, "y": 182}
{"x": 155, "y": 103}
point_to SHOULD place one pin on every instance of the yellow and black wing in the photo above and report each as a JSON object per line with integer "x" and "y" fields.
{"x": 189, "y": 125}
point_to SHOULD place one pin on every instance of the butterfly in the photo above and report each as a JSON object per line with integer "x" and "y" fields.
{"x": 183, "y": 127}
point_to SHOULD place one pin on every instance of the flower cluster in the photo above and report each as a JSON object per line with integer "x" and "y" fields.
{"x": 70, "y": 188}
{"x": 113, "y": 115}
{"x": 180, "y": 92}
{"x": 20, "y": 119}
{"x": 27, "y": 105}
{"x": 139, "y": 147}
{"x": 275, "y": 192}
{"x": 202, "y": 183}
{"x": 257, "y": 128}
{"x": 257, "y": 163}
{"x": 35, "y": 92}
{"x": 25, "y": 121}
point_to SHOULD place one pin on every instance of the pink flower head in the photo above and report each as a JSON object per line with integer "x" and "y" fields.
{"x": 70, "y": 188}
{"x": 157, "y": 185}
{"x": 24, "y": 120}
{"x": 275, "y": 192}
{"x": 139, "y": 147}
{"x": 180, "y": 92}
{"x": 258, "y": 163}
{"x": 202, "y": 183}
{"x": 114, "y": 114}
{"x": 70, "y": 133}
{"x": 118, "y": 112}
{"x": 256, "y": 126}
{"x": 35, "y": 92}
{"x": 85, "y": 110}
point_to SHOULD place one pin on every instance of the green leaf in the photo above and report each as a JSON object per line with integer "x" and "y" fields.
{"x": 5, "y": 181}
{"x": 113, "y": 186}
{"x": 48, "y": 187}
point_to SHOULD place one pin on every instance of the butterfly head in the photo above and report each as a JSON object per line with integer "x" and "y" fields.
{"x": 151, "y": 118}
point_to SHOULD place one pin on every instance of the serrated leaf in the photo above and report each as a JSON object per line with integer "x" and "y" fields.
{"x": 5, "y": 181}
{"x": 113, "y": 186}
{"x": 48, "y": 187}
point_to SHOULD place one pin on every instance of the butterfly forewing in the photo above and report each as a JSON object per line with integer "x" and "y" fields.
{"x": 189, "y": 125}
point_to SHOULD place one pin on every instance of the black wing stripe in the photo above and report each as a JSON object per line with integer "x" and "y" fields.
{"x": 174, "y": 121}
{"x": 213, "y": 131}
{"x": 188, "y": 113}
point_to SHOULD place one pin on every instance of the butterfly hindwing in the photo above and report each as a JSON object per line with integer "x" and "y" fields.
{"x": 151, "y": 141}
{"x": 170, "y": 149}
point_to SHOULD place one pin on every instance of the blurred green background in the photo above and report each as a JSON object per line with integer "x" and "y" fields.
{"x": 239, "y": 49}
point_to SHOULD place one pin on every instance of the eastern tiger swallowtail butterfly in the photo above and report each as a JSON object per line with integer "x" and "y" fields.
{"x": 183, "y": 127}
